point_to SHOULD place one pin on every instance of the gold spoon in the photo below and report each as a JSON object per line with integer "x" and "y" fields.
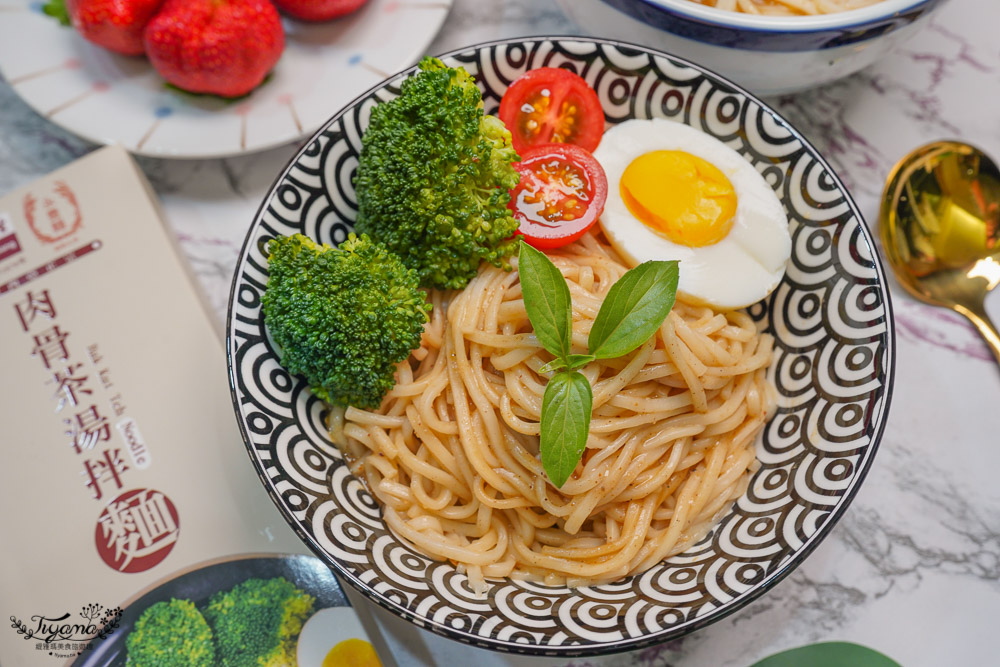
{"x": 940, "y": 228}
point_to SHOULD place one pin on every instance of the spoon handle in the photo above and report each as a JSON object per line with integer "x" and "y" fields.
{"x": 977, "y": 315}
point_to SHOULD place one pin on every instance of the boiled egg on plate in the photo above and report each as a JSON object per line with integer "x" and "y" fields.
{"x": 677, "y": 193}
{"x": 334, "y": 637}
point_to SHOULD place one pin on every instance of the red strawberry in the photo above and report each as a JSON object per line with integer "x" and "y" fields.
{"x": 318, "y": 10}
{"x": 223, "y": 47}
{"x": 113, "y": 24}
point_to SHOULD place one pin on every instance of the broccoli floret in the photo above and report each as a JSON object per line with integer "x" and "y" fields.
{"x": 257, "y": 622}
{"x": 433, "y": 178}
{"x": 344, "y": 317}
{"x": 171, "y": 634}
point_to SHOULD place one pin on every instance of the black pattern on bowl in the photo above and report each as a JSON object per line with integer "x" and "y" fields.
{"x": 830, "y": 316}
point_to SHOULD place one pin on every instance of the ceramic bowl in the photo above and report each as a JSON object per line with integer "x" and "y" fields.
{"x": 830, "y": 316}
{"x": 199, "y": 582}
{"x": 766, "y": 54}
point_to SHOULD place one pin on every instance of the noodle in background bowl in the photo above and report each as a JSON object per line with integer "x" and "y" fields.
{"x": 833, "y": 369}
{"x": 767, "y": 54}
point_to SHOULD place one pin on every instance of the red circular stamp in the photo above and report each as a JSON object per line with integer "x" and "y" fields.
{"x": 53, "y": 215}
{"x": 137, "y": 530}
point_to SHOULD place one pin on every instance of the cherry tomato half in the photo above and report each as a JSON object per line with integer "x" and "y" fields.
{"x": 560, "y": 196}
{"x": 551, "y": 105}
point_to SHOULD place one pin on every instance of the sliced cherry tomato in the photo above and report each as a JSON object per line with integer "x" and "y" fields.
{"x": 550, "y": 105}
{"x": 560, "y": 196}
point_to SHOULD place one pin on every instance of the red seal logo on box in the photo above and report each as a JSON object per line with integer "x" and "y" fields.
{"x": 137, "y": 530}
{"x": 55, "y": 216}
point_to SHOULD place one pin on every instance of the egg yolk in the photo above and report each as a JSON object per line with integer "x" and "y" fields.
{"x": 681, "y": 196}
{"x": 352, "y": 653}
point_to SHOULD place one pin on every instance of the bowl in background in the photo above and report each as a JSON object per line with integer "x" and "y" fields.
{"x": 833, "y": 372}
{"x": 768, "y": 55}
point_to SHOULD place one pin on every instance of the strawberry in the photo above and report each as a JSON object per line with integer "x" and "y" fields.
{"x": 113, "y": 24}
{"x": 318, "y": 10}
{"x": 223, "y": 47}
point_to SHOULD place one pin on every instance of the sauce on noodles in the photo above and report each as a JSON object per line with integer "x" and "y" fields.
{"x": 452, "y": 453}
{"x": 787, "y": 7}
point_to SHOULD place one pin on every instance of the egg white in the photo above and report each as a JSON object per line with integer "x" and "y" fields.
{"x": 742, "y": 268}
{"x": 324, "y": 630}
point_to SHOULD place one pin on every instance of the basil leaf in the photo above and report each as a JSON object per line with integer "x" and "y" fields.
{"x": 571, "y": 363}
{"x": 554, "y": 365}
{"x": 566, "y": 408}
{"x": 634, "y": 309}
{"x": 575, "y": 361}
{"x": 547, "y": 300}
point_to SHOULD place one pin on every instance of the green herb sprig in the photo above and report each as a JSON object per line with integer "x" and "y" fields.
{"x": 633, "y": 310}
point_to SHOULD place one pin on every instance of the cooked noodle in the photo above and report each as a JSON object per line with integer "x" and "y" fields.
{"x": 452, "y": 454}
{"x": 787, "y": 7}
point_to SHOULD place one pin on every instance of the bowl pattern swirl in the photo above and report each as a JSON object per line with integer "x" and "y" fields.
{"x": 830, "y": 316}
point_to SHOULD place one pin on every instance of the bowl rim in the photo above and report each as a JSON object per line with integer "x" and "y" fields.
{"x": 596, "y": 649}
{"x": 851, "y": 19}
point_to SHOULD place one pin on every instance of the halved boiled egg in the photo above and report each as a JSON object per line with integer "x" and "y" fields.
{"x": 677, "y": 193}
{"x": 334, "y": 637}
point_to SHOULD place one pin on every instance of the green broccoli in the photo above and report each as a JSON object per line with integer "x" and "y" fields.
{"x": 257, "y": 622}
{"x": 433, "y": 178}
{"x": 344, "y": 317}
{"x": 171, "y": 634}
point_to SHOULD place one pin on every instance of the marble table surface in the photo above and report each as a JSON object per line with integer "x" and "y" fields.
{"x": 913, "y": 568}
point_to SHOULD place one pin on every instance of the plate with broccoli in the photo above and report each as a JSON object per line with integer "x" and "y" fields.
{"x": 254, "y": 610}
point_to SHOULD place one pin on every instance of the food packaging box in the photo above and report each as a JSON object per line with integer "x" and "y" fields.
{"x": 124, "y": 480}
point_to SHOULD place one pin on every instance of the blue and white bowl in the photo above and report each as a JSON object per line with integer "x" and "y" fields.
{"x": 835, "y": 353}
{"x": 766, "y": 54}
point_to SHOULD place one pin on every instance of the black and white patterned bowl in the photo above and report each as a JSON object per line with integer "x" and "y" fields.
{"x": 830, "y": 316}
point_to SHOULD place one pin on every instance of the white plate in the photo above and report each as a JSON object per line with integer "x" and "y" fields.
{"x": 108, "y": 98}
